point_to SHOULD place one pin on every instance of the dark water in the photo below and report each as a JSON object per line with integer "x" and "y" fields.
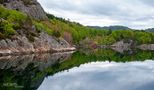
{"x": 81, "y": 70}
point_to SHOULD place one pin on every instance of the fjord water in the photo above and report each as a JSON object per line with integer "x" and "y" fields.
{"x": 81, "y": 70}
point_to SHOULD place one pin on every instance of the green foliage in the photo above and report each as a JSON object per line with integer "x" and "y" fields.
{"x": 6, "y": 29}
{"x": 100, "y": 36}
{"x": 56, "y": 34}
{"x": 123, "y": 34}
{"x": 143, "y": 37}
{"x": 108, "y": 40}
{"x": 10, "y": 21}
{"x": 42, "y": 27}
{"x": 12, "y": 15}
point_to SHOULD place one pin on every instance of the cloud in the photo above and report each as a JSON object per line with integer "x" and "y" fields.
{"x": 131, "y": 13}
{"x": 148, "y": 2}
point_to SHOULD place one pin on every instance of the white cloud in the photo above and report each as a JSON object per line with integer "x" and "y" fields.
{"x": 131, "y": 13}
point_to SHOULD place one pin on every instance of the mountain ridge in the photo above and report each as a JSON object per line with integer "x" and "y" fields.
{"x": 116, "y": 27}
{"x": 119, "y": 27}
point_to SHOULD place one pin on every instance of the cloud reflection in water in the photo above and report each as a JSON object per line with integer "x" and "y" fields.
{"x": 104, "y": 76}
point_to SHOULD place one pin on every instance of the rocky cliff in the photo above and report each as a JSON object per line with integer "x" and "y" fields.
{"x": 43, "y": 43}
{"x": 30, "y": 7}
{"x": 26, "y": 38}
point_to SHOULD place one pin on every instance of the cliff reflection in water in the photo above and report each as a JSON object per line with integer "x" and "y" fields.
{"x": 28, "y": 72}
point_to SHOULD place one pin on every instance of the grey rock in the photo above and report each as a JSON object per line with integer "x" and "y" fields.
{"x": 146, "y": 47}
{"x": 43, "y": 43}
{"x": 30, "y": 7}
{"x": 3, "y": 44}
{"x": 122, "y": 46}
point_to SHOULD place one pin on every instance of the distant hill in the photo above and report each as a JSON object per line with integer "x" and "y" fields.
{"x": 112, "y": 27}
{"x": 119, "y": 28}
{"x": 150, "y": 30}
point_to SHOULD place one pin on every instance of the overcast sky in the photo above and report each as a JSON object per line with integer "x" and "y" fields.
{"x": 137, "y": 14}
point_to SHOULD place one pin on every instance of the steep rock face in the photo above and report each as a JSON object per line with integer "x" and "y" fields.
{"x": 43, "y": 43}
{"x": 30, "y": 7}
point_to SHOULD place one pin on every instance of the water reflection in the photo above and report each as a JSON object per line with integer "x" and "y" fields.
{"x": 104, "y": 76}
{"x": 29, "y": 71}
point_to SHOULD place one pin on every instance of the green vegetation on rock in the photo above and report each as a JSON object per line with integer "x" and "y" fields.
{"x": 12, "y": 21}
{"x": 42, "y": 27}
{"x": 80, "y": 33}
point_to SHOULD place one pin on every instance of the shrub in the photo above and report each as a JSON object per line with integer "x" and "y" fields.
{"x": 56, "y": 34}
{"x": 12, "y": 15}
{"x": 10, "y": 21}
{"x": 7, "y": 28}
{"x": 42, "y": 27}
{"x": 2, "y": 36}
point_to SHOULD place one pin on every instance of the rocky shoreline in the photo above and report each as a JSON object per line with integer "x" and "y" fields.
{"x": 146, "y": 47}
{"x": 9, "y": 52}
{"x": 48, "y": 44}
{"x": 43, "y": 43}
{"x": 122, "y": 46}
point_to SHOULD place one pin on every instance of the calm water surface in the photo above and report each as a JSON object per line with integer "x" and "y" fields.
{"x": 104, "y": 76}
{"x": 81, "y": 70}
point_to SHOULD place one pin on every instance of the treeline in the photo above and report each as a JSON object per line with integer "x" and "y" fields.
{"x": 12, "y": 22}
{"x": 99, "y": 36}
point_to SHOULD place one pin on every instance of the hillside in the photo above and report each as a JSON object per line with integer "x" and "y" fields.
{"x": 27, "y": 31}
{"x": 26, "y": 28}
{"x": 90, "y": 35}
{"x": 150, "y": 30}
